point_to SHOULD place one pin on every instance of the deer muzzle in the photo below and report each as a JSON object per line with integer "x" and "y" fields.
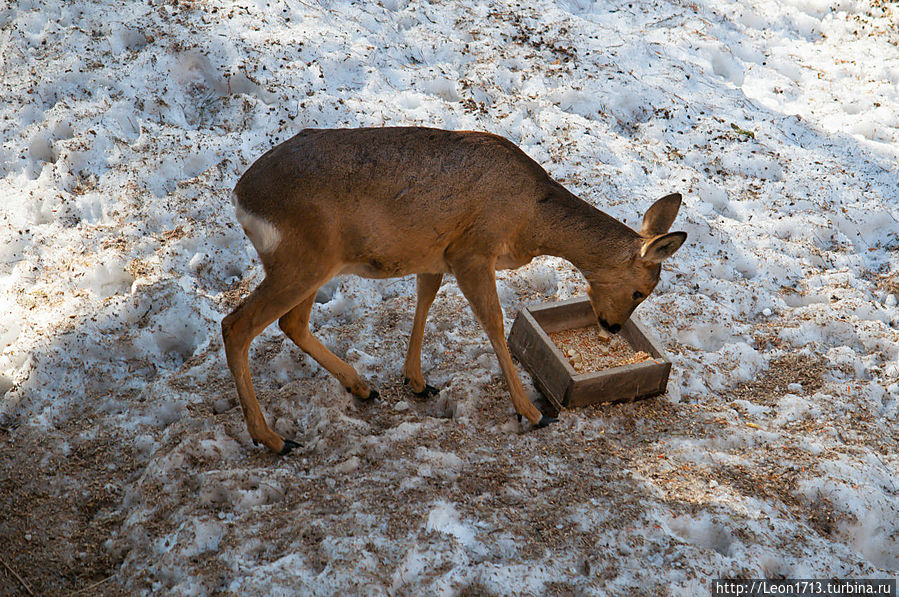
{"x": 604, "y": 325}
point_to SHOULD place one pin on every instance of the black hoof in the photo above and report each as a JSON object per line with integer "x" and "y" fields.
{"x": 425, "y": 393}
{"x": 518, "y": 416}
{"x": 372, "y": 395}
{"x": 544, "y": 421}
{"x": 288, "y": 446}
{"x": 255, "y": 443}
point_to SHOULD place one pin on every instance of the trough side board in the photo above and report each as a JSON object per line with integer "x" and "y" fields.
{"x": 536, "y": 352}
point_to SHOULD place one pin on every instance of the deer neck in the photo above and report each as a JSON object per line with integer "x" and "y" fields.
{"x": 569, "y": 227}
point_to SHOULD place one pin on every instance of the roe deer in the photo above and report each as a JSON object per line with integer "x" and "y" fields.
{"x": 385, "y": 202}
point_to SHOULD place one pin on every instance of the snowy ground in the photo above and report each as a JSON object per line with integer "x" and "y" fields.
{"x": 125, "y": 459}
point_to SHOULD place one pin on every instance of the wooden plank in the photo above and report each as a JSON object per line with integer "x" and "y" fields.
{"x": 535, "y": 351}
{"x": 564, "y": 315}
{"x": 631, "y": 382}
{"x": 640, "y": 339}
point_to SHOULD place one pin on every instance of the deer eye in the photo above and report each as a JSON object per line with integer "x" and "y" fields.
{"x": 637, "y": 295}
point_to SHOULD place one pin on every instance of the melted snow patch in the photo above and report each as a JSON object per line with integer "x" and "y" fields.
{"x": 444, "y": 518}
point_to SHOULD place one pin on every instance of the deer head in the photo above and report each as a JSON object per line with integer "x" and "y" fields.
{"x": 615, "y": 291}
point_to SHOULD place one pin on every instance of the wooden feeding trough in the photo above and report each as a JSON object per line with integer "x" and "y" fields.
{"x": 555, "y": 376}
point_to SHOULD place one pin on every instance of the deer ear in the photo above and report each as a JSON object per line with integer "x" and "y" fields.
{"x": 660, "y": 216}
{"x": 660, "y": 248}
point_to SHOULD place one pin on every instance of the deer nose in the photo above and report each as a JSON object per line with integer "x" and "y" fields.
{"x": 610, "y": 328}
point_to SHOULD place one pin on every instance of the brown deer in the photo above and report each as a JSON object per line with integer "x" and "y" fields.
{"x": 386, "y": 202}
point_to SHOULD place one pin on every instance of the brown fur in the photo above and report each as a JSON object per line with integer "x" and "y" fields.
{"x": 385, "y": 202}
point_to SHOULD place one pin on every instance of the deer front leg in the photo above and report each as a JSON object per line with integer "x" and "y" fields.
{"x": 427, "y": 286}
{"x": 476, "y": 278}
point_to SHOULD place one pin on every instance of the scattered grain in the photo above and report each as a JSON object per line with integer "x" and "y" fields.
{"x": 588, "y": 351}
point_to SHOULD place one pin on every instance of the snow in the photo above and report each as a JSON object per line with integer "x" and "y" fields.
{"x": 444, "y": 518}
{"x": 123, "y": 128}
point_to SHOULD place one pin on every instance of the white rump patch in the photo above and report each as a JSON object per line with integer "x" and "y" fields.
{"x": 262, "y": 233}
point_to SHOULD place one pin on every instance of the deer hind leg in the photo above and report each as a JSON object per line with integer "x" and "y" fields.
{"x": 427, "y": 286}
{"x": 477, "y": 282}
{"x": 295, "y": 324}
{"x": 263, "y": 306}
